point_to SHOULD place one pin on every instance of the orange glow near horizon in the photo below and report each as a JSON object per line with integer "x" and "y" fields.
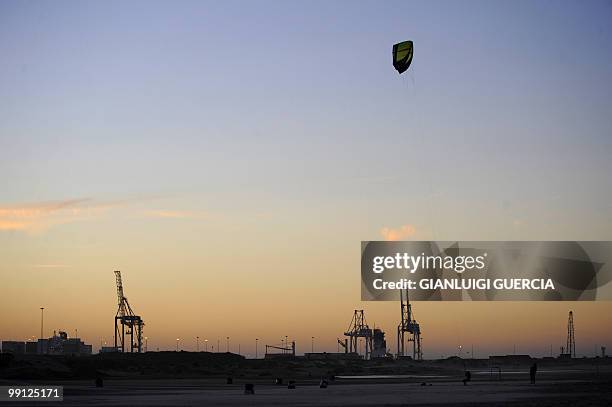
{"x": 183, "y": 292}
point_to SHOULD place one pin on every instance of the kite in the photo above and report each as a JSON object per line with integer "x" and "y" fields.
{"x": 402, "y": 56}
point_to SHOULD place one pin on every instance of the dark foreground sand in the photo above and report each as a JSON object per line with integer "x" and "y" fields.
{"x": 206, "y": 393}
{"x": 184, "y": 379}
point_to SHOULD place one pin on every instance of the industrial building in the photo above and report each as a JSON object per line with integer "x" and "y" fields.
{"x": 58, "y": 344}
{"x": 14, "y": 347}
{"x": 379, "y": 344}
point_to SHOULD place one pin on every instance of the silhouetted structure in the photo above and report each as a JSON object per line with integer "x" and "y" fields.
{"x": 15, "y": 347}
{"x": 285, "y": 351}
{"x": 359, "y": 329}
{"x": 571, "y": 341}
{"x": 58, "y": 344}
{"x": 408, "y": 325}
{"x": 125, "y": 318}
{"x": 344, "y": 345}
{"x": 379, "y": 349}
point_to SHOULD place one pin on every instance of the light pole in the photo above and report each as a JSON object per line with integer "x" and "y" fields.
{"x": 218, "y": 347}
{"x": 256, "y": 339}
{"x": 227, "y": 343}
{"x": 42, "y": 315}
{"x": 177, "y": 343}
{"x": 146, "y": 343}
{"x": 312, "y": 345}
{"x": 206, "y": 344}
{"x": 198, "y": 343}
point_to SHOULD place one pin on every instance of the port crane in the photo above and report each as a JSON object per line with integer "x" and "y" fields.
{"x": 126, "y": 322}
{"x": 359, "y": 329}
{"x": 410, "y": 326}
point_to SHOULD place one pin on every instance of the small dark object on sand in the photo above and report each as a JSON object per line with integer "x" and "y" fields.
{"x": 229, "y": 380}
{"x": 423, "y": 384}
{"x": 532, "y": 372}
{"x": 249, "y": 388}
{"x": 278, "y": 381}
{"x": 467, "y": 378}
{"x": 291, "y": 384}
{"x": 323, "y": 384}
{"x": 99, "y": 382}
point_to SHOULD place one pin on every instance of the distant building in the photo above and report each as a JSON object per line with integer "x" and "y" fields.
{"x": 31, "y": 348}
{"x": 379, "y": 344}
{"x": 58, "y": 344}
{"x": 14, "y": 347}
{"x": 108, "y": 349}
{"x": 42, "y": 346}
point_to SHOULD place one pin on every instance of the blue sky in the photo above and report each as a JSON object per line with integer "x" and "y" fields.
{"x": 161, "y": 94}
{"x": 169, "y": 91}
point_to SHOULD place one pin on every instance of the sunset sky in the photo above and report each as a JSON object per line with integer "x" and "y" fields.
{"x": 229, "y": 158}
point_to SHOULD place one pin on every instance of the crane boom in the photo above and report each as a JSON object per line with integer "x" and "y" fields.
{"x": 120, "y": 297}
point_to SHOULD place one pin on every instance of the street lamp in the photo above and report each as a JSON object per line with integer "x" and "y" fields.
{"x": 177, "y": 343}
{"x": 146, "y": 343}
{"x": 198, "y": 343}
{"x": 256, "y": 339}
{"x": 42, "y": 315}
{"x": 227, "y": 343}
{"x": 312, "y": 345}
{"x": 206, "y": 344}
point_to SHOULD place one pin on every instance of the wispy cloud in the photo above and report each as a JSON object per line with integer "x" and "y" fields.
{"x": 38, "y": 217}
{"x": 403, "y": 232}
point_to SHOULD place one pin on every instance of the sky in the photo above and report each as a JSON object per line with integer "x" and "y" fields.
{"x": 229, "y": 158}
